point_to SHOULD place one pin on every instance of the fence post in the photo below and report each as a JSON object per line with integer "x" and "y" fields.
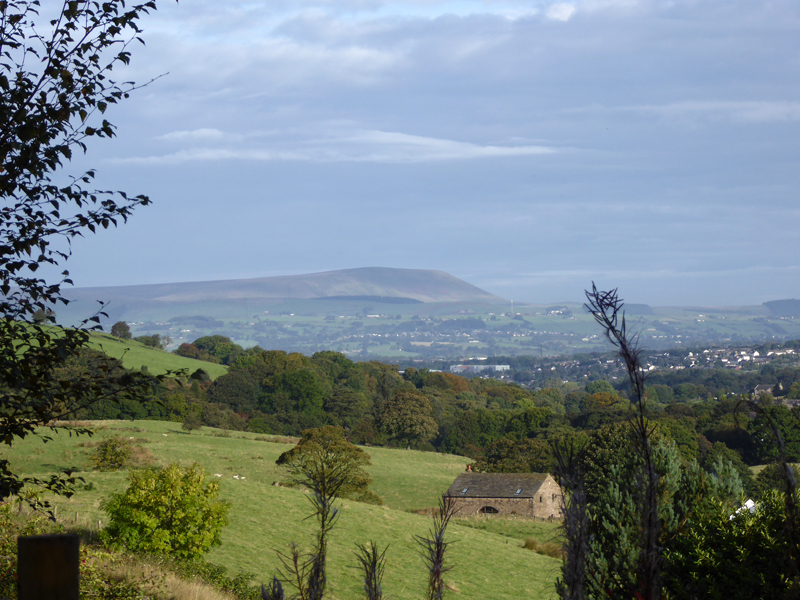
{"x": 47, "y": 567}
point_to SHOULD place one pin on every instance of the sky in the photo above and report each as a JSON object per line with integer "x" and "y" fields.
{"x": 527, "y": 147}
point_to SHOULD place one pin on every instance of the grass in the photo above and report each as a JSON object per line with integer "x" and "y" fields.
{"x": 488, "y": 559}
{"x": 135, "y": 355}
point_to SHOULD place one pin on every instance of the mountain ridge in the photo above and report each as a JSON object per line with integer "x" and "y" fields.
{"x": 421, "y": 285}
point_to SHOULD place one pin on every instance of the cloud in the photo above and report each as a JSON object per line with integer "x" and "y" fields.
{"x": 356, "y": 146}
{"x": 755, "y": 111}
{"x": 560, "y": 11}
{"x": 196, "y": 134}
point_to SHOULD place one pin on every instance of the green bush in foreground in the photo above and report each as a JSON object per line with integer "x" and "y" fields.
{"x": 170, "y": 511}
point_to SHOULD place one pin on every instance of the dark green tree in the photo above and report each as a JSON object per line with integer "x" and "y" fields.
{"x": 121, "y": 330}
{"x": 407, "y": 419}
{"x": 220, "y": 347}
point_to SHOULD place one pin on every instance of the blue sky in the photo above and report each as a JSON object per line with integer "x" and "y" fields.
{"x": 526, "y": 147}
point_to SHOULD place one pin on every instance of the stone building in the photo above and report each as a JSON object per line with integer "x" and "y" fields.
{"x": 524, "y": 494}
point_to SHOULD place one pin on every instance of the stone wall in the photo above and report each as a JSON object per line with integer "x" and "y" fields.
{"x": 547, "y": 502}
{"x": 544, "y": 505}
{"x": 469, "y": 507}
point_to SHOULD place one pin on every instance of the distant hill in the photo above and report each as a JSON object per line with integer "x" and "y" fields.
{"x": 784, "y": 308}
{"x": 369, "y": 284}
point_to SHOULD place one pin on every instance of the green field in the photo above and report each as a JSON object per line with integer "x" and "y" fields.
{"x": 135, "y": 355}
{"x": 487, "y": 556}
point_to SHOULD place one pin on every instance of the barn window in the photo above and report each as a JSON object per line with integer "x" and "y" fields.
{"x": 488, "y": 510}
{"x": 540, "y": 499}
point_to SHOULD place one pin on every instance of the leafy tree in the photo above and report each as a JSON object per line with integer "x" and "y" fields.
{"x": 220, "y": 347}
{"x": 54, "y": 86}
{"x": 788, "y": 424}
{"x": 111, "y": 454}
{"x": 171, "y": 511}
{"x": 153, "y": 341}
{"x": 733, "y": 555}
{"x": 238, "y": 389}
{"x": 406, "y": 418}
{"x": 121, "y": 330}
{"x": 324, "y": 454}
{"x": 192, "y": 422}
{"x": 600, "y": 387}
{"x": 347, "y": 406}
{"x": 772, "y": 477}
{"x": 191, "y": 351}
{"x": 524, "y": 456}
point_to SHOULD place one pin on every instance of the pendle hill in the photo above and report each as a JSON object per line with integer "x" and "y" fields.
{"x": 406, "y": 314}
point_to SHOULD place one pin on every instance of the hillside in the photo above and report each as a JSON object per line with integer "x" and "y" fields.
{"x": 265, "y": 518}
{"x": 135, "y": 356}
{"x": 373, "y": 284}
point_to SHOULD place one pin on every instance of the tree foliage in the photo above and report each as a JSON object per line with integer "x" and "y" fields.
{"x": 121, "y": 330}
{"x": 324, "y": 458}
{"x": 406, "y": 418}
{"x": 55, "y": 86}
{"x": 171, "y": 511}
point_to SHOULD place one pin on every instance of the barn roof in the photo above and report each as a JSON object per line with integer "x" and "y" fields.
{"x": 497, "y": 485}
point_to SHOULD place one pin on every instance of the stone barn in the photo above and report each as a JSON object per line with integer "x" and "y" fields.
{"x": 523, "y": 494}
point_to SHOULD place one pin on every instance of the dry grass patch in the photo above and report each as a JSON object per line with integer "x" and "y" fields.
{"x": 157, "y": 583}
{"x": 550, "y": 549}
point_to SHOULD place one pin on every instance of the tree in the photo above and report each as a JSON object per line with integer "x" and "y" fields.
{"x": 54, "y": 88}
{"x": 406, "y": 418}
{"x": 121, "y": 330}
{"x": 221, "y": 348}
{"x": 324, "y": 455}
{"x": 153, "y": 341}
{"x": 524, "y": 456}
{"x": 171, "y": 511}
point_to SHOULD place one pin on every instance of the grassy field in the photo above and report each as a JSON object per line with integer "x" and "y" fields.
{"x": 135, "y": 355}
{"x": 487, "y": 556}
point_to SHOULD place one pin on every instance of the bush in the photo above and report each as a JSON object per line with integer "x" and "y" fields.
{"x": 111, "y": 454}
{"x": 546, "y": 548}
{"x": 170, "y": 511}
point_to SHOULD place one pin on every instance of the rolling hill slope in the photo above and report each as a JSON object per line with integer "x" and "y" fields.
{"x": 265, "y": 518}
{"x": 135, "y": 356}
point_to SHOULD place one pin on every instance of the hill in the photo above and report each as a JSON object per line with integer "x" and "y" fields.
{"x": 370, "y": 284}
{"x": 135, "y": 356}
{"x": 265, "y": 518}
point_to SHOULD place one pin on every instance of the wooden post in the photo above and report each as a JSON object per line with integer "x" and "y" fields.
{"x": 47, "y": 567}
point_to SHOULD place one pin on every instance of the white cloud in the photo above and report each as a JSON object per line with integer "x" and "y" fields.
{"x": 357, "y": 146}
{"x": 561, "y": 11}
{"x": 196, "y": 134}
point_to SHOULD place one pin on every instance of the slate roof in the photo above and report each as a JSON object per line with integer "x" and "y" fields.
{"x": 497, "y": 485}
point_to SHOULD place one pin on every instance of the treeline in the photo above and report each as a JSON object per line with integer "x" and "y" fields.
{"x": 501, "y": 426}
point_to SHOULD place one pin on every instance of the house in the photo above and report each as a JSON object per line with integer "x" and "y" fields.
{"x": 762, "y": 390}
{"x": 534, "y": 495}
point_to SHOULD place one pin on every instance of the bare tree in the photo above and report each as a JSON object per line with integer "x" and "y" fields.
{"x": 434, "y": 547}
{"x": 372, "y": 563}
{"x": 606, "y": 308}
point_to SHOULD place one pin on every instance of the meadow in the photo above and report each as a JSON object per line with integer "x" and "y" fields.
{"x": 135, "y": 355}
{"x": 487, "y": 555}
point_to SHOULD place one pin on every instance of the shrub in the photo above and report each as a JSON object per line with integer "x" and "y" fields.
{"x": 111, "y": 454}
{"x": 171, "y": 511}
{"x": 546, "y": 548}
